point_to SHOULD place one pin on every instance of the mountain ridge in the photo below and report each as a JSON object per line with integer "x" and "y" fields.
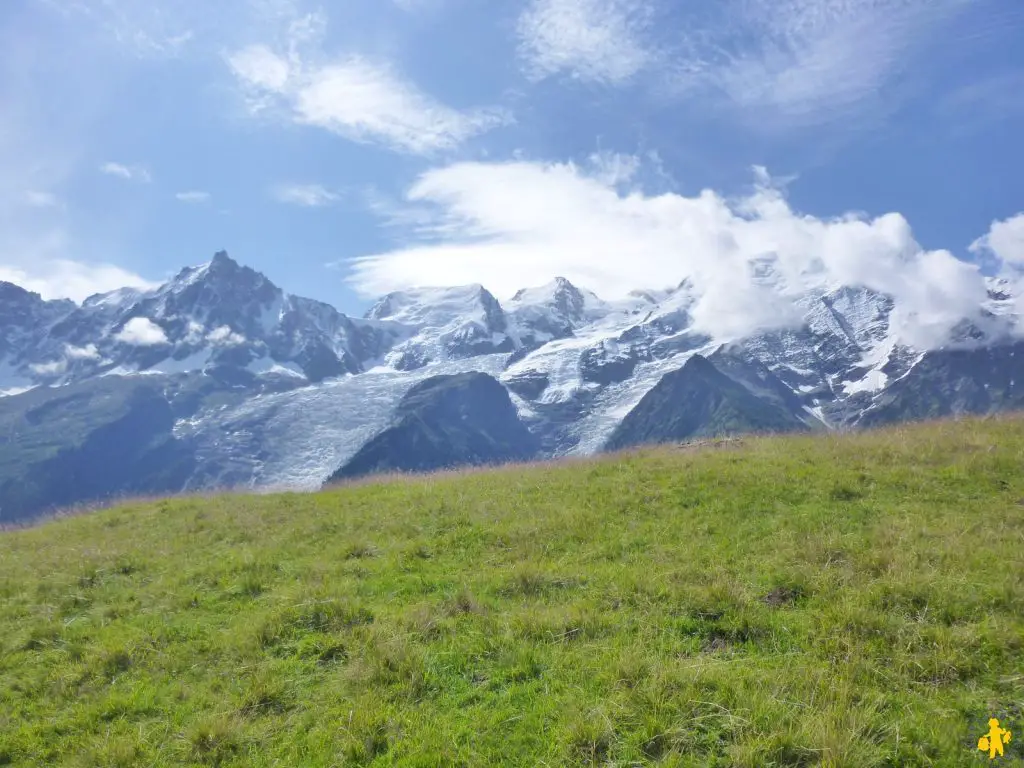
{"x": 281, "y": 391}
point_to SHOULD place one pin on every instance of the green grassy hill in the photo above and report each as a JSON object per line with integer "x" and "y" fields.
{"x": 797, "y": 601}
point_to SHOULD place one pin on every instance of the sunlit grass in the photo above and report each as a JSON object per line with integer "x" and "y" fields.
{"x": 841, "y": 601}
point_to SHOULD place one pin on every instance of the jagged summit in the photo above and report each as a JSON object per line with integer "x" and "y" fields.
{"x": 10, "y": 292}
{"x": 217, "y": 314}
{"x": 220, "y": 267}
{"x": 221, "y": 260}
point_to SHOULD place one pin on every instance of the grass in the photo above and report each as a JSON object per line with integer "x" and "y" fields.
{"x": 833, "y": 600}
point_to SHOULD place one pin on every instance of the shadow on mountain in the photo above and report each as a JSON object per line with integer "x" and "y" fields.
{"x": 87, "y": 443}
{"x": 698, "y": 400}
{"x": 465, "y": 419}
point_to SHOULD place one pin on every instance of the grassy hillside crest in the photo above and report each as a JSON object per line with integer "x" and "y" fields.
{"x": 852, "y": 600}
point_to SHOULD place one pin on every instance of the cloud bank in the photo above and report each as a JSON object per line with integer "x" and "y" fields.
{"x": 517, "y": 224}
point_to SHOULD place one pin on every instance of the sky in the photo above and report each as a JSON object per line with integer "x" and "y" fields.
{"x": 351, "y": 148}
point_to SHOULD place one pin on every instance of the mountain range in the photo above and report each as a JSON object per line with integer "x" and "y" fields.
{"x": 219, "y": 379}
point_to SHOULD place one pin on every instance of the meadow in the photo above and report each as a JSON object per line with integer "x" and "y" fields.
{"x": 827, "y": 600}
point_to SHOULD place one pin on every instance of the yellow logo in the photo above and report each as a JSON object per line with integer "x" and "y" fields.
{"x": 993, "y": 741}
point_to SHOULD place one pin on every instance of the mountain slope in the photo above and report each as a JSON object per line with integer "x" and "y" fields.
{"x": 953, "y": 382}
{"x": 114, "y": 438}
{"x": 446, "y": 421}
{"x": 698, "y": 400}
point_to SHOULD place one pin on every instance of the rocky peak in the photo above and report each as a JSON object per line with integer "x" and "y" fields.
{"x": 493, "y": 312}
{"x": 9, "y": 293}
{"x": 699, "y": 365}
{"x": 568, "y": 299}
{"x": 220, "y": 291}
{"x": 221, "y": 261}
{"x": 19, "y": 306}
{"x": 383, "y": 309}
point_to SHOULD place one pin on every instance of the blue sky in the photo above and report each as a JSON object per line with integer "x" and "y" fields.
{"x": 346, "y": 149}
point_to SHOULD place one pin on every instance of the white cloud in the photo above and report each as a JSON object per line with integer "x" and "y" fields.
{"x": 308, "y": 195}
{"x": 260, "y": 68}
{"x": 88, "y": 352}
{"x": 195, "y": 332}
{"x": 1005, "y": 240}
{"x": 594, "y": 40}
{"x": 194, "y": 196}
{"x": 517, "y": 224}
{"x": 224, "y": 335}
{"x": 49, "y": 369}
{"x": 803, "y": 61}
{"x": 129, "y": 173}
{"x": 362, "y": 100}
{"x": 142, "y": 332}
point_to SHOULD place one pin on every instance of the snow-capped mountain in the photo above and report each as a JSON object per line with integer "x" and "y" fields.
{"x": 217, "y": 314}
{"x": 432, "y": 325}
{"x": 266, "y": 390}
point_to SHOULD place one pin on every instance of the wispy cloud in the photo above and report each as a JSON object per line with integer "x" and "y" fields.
{"x": 803, "y": 61}
{"x": 261, "y": 69}
{"x": 363, "y": 100}
{"x": 126, "y": 172}
{"x": 145, "y": 28}
{"x": 593, "y": 40}
{"x": 308, "y": 195}
{"x": 517, "y": 224}
{"x": 42, "y": 199}
{"x": 785, "y": 63}
{"x": 981, "y": 102}
{"x": 194, "y": 197}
